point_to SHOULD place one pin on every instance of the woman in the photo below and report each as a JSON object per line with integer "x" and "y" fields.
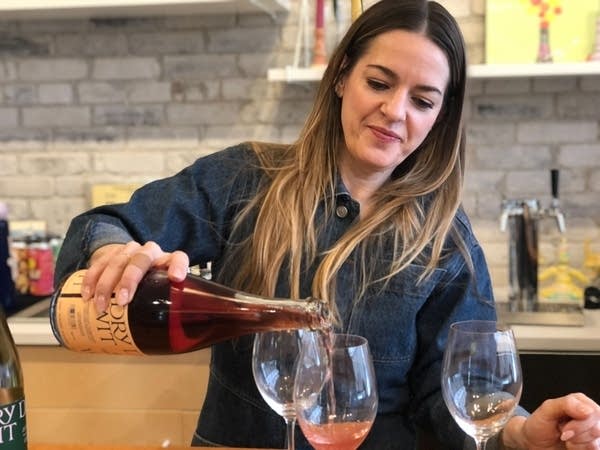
{"x": 362, "y": 211}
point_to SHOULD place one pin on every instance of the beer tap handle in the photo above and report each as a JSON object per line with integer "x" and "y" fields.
{"x": 506, "y": 209}
{"x": 503, "y": 220}
{"x": 555, "y": 205}
{"x": 560, "y": 221}
{"x": 554, "y": 181}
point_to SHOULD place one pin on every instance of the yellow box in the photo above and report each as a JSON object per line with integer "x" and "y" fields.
{"x": 104, "y": 194}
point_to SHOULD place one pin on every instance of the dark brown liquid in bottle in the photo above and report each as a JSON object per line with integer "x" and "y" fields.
{"x": 197, "y": 313}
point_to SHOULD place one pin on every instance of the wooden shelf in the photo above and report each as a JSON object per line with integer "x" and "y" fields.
{"x": 478, "y": 71}
{"x": 534, "y": 70}
{"x": 65, "y": 9}
{"x": 292, "y": 74}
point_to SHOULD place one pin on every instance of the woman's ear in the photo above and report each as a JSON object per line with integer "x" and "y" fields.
{"x": 341, "y": 78}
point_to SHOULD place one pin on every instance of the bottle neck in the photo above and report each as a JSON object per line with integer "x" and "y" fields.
{"x": 11, "y": 380}
{"x": 4, "y": 330}
{"x": 316, "y": 312}
{"x": 310, "y": 312}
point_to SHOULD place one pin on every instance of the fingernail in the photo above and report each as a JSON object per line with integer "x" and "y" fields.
{"x": 100, "y": 302}
{"x": 123, "y": 296}
{"x": 567, "y": 435}
{"x": 86, "y": 292}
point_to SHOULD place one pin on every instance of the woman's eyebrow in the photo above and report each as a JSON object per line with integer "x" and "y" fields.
{"x": 390, "y": 73}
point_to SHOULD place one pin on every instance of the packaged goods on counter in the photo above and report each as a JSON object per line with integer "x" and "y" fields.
{"x": 35, "y": 257}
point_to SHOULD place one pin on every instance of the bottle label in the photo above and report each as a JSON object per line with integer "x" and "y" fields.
{"x": 83, "y": 329}
{"x": 13, "y": 432}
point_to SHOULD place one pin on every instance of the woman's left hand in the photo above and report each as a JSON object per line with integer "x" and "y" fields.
{"x": 569, "y": 422}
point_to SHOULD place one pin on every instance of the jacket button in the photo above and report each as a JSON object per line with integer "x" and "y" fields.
{"x": 341, "y": 211}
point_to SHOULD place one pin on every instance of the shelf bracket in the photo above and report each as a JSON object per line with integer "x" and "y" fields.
{"x": 260, "y": 5}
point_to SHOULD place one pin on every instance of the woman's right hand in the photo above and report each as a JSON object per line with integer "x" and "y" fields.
{"x": 119, "y": 268}
{"x": 571, "y": 422}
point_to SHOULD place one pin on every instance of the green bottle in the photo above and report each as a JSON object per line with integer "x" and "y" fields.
{"x": 13, "y": 432}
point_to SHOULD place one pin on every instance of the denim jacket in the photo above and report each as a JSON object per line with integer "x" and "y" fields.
{"x": 405, "y": 322}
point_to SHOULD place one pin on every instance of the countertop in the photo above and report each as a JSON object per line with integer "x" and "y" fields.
{"x": 530, "y": 338}
{"x": 31, "y": 331}
{"x": 540, "y": 338}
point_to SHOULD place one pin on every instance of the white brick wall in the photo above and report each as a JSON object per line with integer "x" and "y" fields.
{"x": 37, "y": 69}
{"x": 134, "y": 99}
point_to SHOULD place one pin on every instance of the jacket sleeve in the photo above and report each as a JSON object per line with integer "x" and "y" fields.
{"x": 191, "y": 211}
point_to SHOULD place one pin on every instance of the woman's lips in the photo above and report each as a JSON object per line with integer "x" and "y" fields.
{"x": 385, "y": 135}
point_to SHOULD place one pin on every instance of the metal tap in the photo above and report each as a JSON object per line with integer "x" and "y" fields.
{"x": 520, "y": 217}
{"x": 554, "y": 210}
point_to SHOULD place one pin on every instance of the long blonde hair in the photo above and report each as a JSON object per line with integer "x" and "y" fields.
{"x": 413, "y": 212}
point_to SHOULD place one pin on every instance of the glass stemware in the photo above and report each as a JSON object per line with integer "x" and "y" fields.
{"x": 335, "y": 390}
{"x": 274, "y": 356}
{"x": 481, "y": 377}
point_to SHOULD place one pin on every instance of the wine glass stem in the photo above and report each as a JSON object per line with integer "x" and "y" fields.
{"x": 290, "y": 425}
{"x": 480, "y": 443}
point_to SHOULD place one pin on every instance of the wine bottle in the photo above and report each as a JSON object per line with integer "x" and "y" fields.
{"x": 13, "y": 432}
{"x": 165, "y": 317}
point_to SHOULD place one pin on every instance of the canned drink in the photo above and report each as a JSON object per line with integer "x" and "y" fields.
{"x": 55, "y": 244}
{"x": 41, "y": 267}
{"x": 20, "y": 264}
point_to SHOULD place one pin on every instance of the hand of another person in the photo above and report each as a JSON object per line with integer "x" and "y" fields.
{"x": 569, "y": 422}
{"x": 119, "y": 268}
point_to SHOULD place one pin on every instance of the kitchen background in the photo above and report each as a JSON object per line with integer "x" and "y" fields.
{"x": 130, "y": 99}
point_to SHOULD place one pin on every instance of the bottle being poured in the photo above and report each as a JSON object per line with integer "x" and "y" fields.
{"x": 165, "y": 317}
{"x": 13, "y": 429}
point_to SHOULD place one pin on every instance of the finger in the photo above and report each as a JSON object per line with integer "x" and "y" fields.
{"x": 581, "y": 432}
{"x": 131, "y": 247}
{"x": 179, "y": 263}
{"x": 137, "y": 266}
{"x": 98, "y": 263}
{"x": 112, "y": 272}
{"x": 90, "y": 279}
{"x": 575, "y": 406}
{"x": 584, "y": 442}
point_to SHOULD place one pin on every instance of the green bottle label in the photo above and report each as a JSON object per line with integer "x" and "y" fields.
{"x": 13, "y": 432}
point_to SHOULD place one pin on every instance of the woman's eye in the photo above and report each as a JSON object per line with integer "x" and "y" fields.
{"x": 422, "y": 103}
{"x": 377, "y": 85}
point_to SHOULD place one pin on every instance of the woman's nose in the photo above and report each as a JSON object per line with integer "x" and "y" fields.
{"x": 395, "y": 106}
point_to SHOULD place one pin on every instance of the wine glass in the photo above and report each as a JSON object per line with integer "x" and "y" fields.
{"x": 274, "y": 355}
{"x": 335, "y": 390}
{"x": 481, "y": 377}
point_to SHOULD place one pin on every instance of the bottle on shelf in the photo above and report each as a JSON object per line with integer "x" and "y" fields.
{"x": 595, "y": 54}
{"x": 169, "y": 318}
{"x": 13, "y": 430}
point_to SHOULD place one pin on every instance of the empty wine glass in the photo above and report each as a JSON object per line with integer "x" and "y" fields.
{"x": 335, "y": 391}
{"x": 274, "y": 355}
{"x": 481, "y": 377}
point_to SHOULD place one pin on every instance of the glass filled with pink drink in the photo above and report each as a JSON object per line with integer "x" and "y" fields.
{"x": 335, "y": 393}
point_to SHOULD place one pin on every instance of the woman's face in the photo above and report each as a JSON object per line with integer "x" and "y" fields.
{"x": 390, "y": 102}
